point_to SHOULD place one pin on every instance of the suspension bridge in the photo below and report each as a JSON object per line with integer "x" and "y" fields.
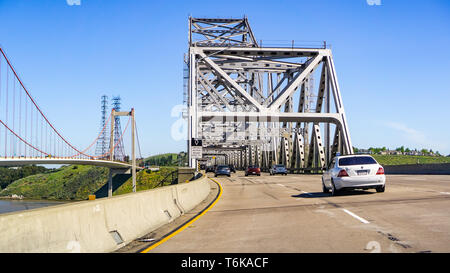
{"x": 28, "y": 137}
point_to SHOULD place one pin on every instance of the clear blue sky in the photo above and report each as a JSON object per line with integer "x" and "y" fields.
{"x": 392, "y": 61}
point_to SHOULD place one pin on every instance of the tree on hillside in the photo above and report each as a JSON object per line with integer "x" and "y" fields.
{"x": 9, "y": 175}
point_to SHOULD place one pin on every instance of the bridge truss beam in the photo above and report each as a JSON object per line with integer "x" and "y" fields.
{"x": 255, "y": 103}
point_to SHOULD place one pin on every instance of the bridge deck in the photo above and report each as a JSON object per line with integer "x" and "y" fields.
{"x": 28, "y": 161}
{"x": 291, "y": 214}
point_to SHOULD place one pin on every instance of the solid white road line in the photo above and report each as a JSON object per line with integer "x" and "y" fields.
{"x": 356, "y": 216}
{"x": 281, "y": 185}
{"x": 443, "y": 192}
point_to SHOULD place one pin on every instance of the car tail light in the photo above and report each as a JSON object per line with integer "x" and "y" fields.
{"x": 380, "y": 170}
{"x": 342, "y": 173}
{"x": 258, "y": 169}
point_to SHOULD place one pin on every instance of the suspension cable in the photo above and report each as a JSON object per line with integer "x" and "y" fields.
{"x": 137, "y": 138}
{"x": 32, "y": 100}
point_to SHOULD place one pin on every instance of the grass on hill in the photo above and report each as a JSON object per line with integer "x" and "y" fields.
{"x": 147, "y": 179}
{"x": 167, "y": 159}
{"x": 74, "y": 182}
{"x": 409, "y": 159}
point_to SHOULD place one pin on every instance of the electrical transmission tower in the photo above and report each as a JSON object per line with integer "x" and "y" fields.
{"x": 102, "y": 147}
{"x": 119, "y": 151}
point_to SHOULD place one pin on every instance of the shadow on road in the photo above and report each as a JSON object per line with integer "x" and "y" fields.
{"x": 341, "y": 193}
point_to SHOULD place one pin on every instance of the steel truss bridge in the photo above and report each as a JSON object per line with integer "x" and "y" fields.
{"x": 28, "y": 137}
{"x": 261, "y": 105}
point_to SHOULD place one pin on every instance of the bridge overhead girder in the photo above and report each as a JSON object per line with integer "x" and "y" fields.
{"x": 263, "y": 100}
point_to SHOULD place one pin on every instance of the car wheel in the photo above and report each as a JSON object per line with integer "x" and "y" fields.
{"x": 324, "y": 189}
{"x": 229, "y": 175}
{"x": 246, "y": 174}
{"x": 334, "y": 191}
{"x": 381, "y": 188}
{"x": 215, "y": 175}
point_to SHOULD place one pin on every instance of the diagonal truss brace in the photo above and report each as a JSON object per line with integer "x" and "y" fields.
{"x": 230, "y": 81}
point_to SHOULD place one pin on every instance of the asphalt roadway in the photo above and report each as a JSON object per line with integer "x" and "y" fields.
{"x": 280, "y": 214}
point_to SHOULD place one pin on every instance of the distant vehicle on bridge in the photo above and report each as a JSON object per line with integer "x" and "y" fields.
{"x": 223, "y": 170}
{"x": 353, "y": 172}
{"x": 232, "y": 168}
{"x": 210, "y": 168}
{"x": 253, "y": 169}
{"x": 278, "y": 169}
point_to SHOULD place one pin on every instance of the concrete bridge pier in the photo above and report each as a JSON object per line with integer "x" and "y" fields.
{"x": 112, "y": 172}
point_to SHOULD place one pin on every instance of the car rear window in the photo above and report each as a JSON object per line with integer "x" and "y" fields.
{"x": 223, "y": 167}
{"x": 357, "y": 160}
{"x": 279, "y": 166}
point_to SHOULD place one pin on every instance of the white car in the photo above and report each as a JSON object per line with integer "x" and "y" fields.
{"x": 353, "y": 172}
{"x": 278, "y": 169}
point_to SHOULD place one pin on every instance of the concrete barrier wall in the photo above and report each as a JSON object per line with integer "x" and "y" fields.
{"x": 98, "y": 225}
{"x": 439, "y": 168}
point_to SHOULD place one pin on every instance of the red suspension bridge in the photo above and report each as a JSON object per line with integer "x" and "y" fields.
{"x": 28, "y": 137}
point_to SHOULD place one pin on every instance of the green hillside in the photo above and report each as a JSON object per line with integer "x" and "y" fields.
{"x": 76, "y": 182}
{"x": 73, "y": 182}
{"x": 147, "y": 179}
{"x": 409, "y": 159}
{"x": 9, "y": 175}
{"x": 167, "y": 159}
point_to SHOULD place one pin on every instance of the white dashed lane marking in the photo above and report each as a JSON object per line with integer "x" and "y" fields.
{"x": 356, "y": 216}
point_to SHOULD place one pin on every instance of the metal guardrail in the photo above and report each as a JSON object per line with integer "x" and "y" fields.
{"x": 172, "y": 177}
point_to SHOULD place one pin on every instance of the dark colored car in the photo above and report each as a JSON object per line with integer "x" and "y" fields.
{"x": 209, "y": 169}
{"x": 278, "y": 169}
{"x": 223, "y": 170}
{"x": 232, "y": 168}
{"x": 253, "y": 170}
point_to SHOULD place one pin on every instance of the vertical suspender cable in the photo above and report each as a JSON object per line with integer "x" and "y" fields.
{"x": 137, "y": 138}
{"x": 6, "y": 112}
{"x": 30, "y": 117}
{"x": 26, "y": 125}
{"x": 13, "y": 142}
{"x": 20, "y": 122}
{"x": 32, "y": 100}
